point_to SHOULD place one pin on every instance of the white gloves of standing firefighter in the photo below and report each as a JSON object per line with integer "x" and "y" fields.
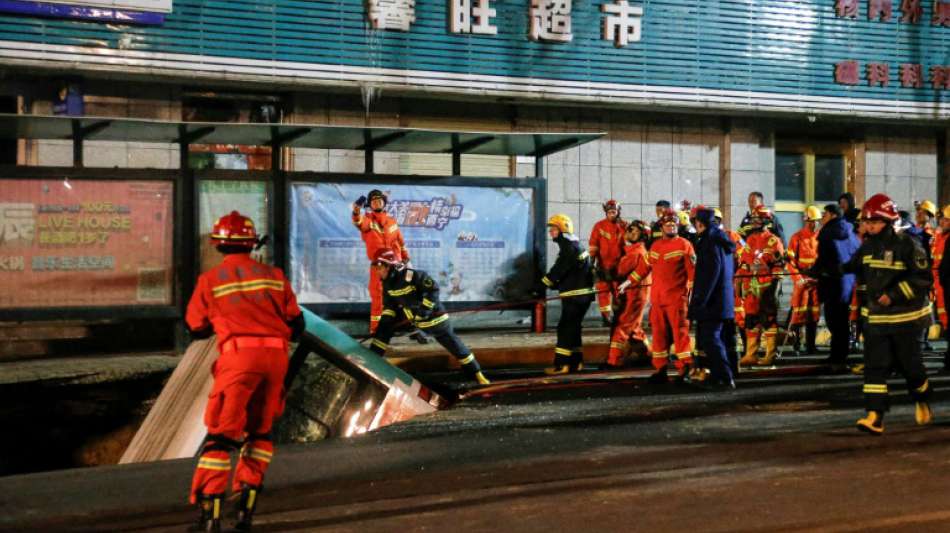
{"x": 625, "y": 285}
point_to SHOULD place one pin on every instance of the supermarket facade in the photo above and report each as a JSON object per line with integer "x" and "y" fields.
{"x": 698, "y": 100}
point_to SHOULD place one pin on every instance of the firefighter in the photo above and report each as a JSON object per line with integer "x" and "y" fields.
{"x": 656, "y": 230}
{"x": 379, "y": 231}
{"x": 672, "y": 263}
{"x": 760, "y": 260}
{"x": 896, "y": 273}
{"x": 755, "y": 200}
{"x": 412, "y": 296}
{"x": 629, "y": 325}
{"x": 571, "y": 277}
{"x": 605, "y": 248}
{"x": 924, "y": 216}
{"x": 939, "y": 296}
{"x": 801, "y": 254}
{"x": 253, "y": 311}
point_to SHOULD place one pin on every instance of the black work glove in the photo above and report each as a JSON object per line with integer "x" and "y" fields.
{"x": 360, "y": 202}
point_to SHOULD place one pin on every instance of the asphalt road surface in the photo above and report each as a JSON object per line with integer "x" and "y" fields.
{"x": 778, "y": 454}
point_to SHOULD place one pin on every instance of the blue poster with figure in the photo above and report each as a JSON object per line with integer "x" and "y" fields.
{"x": 475, "y": 241}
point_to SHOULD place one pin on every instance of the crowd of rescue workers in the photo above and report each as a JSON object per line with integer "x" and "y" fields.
{"x": 876, "y": 275}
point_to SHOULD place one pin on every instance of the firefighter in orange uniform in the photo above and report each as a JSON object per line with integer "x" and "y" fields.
{"x": 802, "y": 252}
{"x": 672, "y": 263}
{"x": 937, "y": 251}
{"x": 253, "y": 311}
{"x": 379, "y": 232}
{"x": 634, "y": 294}
{"x": 760, "y": 260}
{"x": 605, "y": 248}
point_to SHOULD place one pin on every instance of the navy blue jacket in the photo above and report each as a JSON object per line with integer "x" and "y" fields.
{"x": 836, "y": 244}
{"x": 712, "y": 297}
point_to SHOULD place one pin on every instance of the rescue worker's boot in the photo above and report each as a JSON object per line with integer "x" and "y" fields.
{"x": 209, "y": 519}
{"x": 796, "y": 332}
{"x": 562, "y": 360}
{"x": 873, "y": 423}
{"x": 811, "y": 333}
{"x": 751, "y": 356}
{"x": 245, "y": 507}
{"x": 770, "y": 350}
{"x": 473, "y": 370}
{"x": 922, "y": 414}
{"x": 577, "y": 360}
{"x": 659, "y": 377}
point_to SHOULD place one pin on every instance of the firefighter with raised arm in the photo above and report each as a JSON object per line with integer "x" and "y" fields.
{"x": 672, "y": 263}
{"x": 802, "y": 253}
{"x": 634, "y": 296}
{"x": 606, "y": 248}
{"x": 896, "y": 274}
{"x": 253, "y": 311}
{"x": 760, "y": 261}
{"x": 571, "y": 277}
{"x": 379, "y": 232}
{"x": 412, "y": 296}
{"x": 937, "y": 251}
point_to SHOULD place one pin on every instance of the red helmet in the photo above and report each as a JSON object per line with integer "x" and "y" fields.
{"x": 612, "y": 204}
{"x": 880, "y": 206}
{"x": 760, "y": 211}
{"x": 642, "y": 226}
{"x": 695, "y": 210}
{"x": 669, "y": 216}
{"x": 385, "y": 256}
{"x": 234, "y": 229}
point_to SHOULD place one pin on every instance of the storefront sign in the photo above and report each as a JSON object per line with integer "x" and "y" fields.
{"x": 149, "y": 12}
{"x": 85, "y": 243}
{"x": 475, "y": 241}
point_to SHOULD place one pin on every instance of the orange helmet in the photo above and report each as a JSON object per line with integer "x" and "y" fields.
{"x": 880, "y": 206}
{"x": 760, "y": 211}
{"x": 669, "y": 216}
{"x": 385, "y": 256}
{"x": 234, "y": 229}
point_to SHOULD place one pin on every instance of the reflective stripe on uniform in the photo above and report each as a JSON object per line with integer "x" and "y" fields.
{"x": 380, "y": 344}
{"x": 433, "y": 322}
{"x": 661, "y": 355}
{"x": 428, "y": 303}
{"x": 880, "y": 263}
{"x": 870, "y": 388}
{"x": 562, "y": 351}
{"x": 210, "y": 463}
{"x": 547, "y": 281}
{"x": 923, "y": 388}
{"x": 905, "y": 288}
{"x": 896, "y": 319}
{"x": 377, "y": 318}
{"x": 387, "y": 312}
{"x": 247, "y": 286}
{"x": 467, "y": 360}
{"x": 576, "y": 292}
{"x": 401, "y": 292}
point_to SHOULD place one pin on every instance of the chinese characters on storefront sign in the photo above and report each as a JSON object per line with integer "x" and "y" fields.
{"x": 882, "y": 10}
{"x": 910, "y": 75}
{"x": 878, "y": 74}
{"x": 548, "y": 20}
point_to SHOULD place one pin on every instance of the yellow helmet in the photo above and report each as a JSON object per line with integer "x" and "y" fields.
{"x": 945, "y": 212}
{"x": 683, "y": 217}
{"x": 562, "y": 222}
{"x": 717, "y": 213}
{"x": 928, "y": 207}
{"x": 812, "y": 213}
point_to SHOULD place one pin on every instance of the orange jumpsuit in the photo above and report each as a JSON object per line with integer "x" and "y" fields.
{"x": 802, "y": 253}
{"x": 250, "y": 306}
{"x": 937, "y": 246}
{"x": 379, "y": 230}
{"x": 737, "y": 298}
{"x": 606, "y": 248}
{"x": 630, "y": 321}
{"x": 759, "y": 261}
{"x": 672, "y": 262}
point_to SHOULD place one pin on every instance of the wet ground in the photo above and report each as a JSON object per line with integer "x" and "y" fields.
{"x": 779, "y": 453}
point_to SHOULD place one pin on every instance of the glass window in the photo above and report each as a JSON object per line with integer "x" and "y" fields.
{"x": 829, "y": 177}
{"x": 790, "y": 177}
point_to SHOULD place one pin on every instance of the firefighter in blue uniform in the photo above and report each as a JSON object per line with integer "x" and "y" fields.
{"x": 896, "y": 273}
{"x": 412, "y": 296}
